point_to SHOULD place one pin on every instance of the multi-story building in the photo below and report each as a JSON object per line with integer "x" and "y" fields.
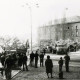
{"x": 67, "y": 28}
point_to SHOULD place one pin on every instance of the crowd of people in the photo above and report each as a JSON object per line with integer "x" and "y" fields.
{"x": 49, "y": 65}
{"x": 35, "y": 57}
{"x": 19, "y": 60}
{"x": 13, "y": 61}
{"x": 60, "y": 62}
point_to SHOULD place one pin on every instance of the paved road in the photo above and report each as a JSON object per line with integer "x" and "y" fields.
{"x": 40, "y": 74}
{"x": 14, "y": 72}
{"x": 75, "y": 58}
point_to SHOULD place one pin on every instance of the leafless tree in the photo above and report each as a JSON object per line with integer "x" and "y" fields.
{"x": 11, "y": 43}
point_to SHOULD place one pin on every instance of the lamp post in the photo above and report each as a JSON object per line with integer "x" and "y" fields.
{"x": 31, "y": 27}
{"x": 30, "y": 8}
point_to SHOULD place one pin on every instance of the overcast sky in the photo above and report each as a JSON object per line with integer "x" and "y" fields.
{"x": 15, "y": 15}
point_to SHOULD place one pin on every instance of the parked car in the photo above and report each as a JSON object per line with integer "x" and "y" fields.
{"x": 61, "y": 49}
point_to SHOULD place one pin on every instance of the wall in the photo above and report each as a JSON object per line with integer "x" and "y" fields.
{"x": 59, "y": 31}
{"x": 46, "y": 34}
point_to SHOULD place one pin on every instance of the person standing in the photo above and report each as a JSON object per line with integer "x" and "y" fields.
{"x": 8, "y": 67}
{"x": 24, "y": 62}
{"x": 31, "y": 59}
{"x": 41, "y": 59}
{"x": 20, "y": 58}
{"x": 44, "y": 51}
{"x": 36, "y": 59}
{"x": 2, "y": 60}
{"x": 3, "y": 63}
{"x": 60, "y": 64}
{"x": 49, "y": 66}
{"x": 67, "y": 59}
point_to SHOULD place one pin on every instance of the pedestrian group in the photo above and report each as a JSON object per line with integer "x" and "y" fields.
{"x": 20, "y": 60}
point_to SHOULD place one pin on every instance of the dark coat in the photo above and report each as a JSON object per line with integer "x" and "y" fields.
{"x": 49, "y": 65}
{"x": 67, "y": 59}
{"x": 8, "y": 63}
{"x": 41, "y": 57}
{"x": 20, "y": 60}
{"x": 60, "y": 62}
{"x": 36, "y": 56}
{"x": 32, "y": 56}
{"x": 24, "y": 59}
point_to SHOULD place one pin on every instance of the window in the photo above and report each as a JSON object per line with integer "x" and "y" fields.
{"x": 68, "y": 27}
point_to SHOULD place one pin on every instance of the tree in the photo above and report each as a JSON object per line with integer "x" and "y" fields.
{"x": 5, "y": 42}
{"x": 15, "y": 43}
{"x": 11, "y": 43}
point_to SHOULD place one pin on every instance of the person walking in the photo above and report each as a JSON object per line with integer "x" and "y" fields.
{"x": 67, "y": 59}
{"x": 24, "y": 62}
{"x": 60, "y": 62}
{"x": 36, "y": 59}
{"x": 41, "y": 59}
{"x": 49, "y": 66}
{"x": 31, "y": 59}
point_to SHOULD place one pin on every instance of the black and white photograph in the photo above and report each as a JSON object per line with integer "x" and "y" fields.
{"x": 39, "y": 40}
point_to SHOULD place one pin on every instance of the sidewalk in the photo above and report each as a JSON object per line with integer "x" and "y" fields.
{"x": 13, "y": 73}
{"x": 40, "y": 74}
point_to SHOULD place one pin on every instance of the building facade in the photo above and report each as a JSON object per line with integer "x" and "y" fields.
{"x": 70, "y": 29}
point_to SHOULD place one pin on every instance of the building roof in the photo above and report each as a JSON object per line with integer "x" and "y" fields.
{"x": 74, "y": 19}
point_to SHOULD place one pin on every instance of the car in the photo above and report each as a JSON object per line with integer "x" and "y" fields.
{"x": 61, "y": 49}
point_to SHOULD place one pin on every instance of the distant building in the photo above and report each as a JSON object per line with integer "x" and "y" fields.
{"x": 66, "y": 28}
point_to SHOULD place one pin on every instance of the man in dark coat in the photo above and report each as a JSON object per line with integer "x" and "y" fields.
{"x": 36, "y": 59}
{"x": 41, "y": 59}
{"x": 49, "y": 66}
{"x": 31, "y": 58}
{"x": 67, "y": 59}
{"x": 44, "y": 51}
{"x": 8, "y": 67}
{"x": 24, "y": 62}
{"x": 60, "y": 64}
{"x": 20, "y": 58}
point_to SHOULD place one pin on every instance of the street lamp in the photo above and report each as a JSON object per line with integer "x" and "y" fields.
{"x": 31, "y": 23}
{"x": 30, "y": 8}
